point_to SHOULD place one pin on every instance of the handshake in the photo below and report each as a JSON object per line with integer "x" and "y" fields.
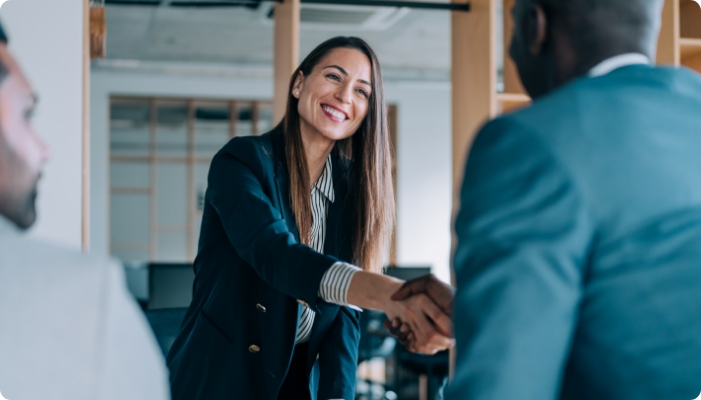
{"x": 420, "y": 315}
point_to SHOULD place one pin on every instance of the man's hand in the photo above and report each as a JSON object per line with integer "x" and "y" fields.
{"x": 441, "y": 293}
{"x": 430, "y": 326}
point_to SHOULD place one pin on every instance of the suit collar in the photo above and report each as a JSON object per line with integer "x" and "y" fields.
{"x": 622, "y": 60}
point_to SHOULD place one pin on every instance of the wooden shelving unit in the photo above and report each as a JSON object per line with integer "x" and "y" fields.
{"x": 680, "y": 38}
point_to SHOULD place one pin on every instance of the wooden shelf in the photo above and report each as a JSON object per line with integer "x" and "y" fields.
{"x": 690, "y": 48}
{"x": 512, "y": 101}
{"x": 513, "y": 97}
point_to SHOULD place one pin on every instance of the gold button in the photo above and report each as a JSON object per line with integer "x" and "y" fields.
{"x": 261, "y": 308}
{"x": 302, "y": 302}
{"x": 253, "y": 348}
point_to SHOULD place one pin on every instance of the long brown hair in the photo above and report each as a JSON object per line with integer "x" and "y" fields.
{"x": 371, "y": 206}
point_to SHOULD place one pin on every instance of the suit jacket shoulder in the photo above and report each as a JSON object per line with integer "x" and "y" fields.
{"x": 59, "y": 312}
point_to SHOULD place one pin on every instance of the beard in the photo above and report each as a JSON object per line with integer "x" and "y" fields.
{"x": 18, "y": 187}
{"x": 27, "y": 213}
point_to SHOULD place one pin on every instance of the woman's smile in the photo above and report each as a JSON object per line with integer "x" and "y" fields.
{"x": 334, "y": 113}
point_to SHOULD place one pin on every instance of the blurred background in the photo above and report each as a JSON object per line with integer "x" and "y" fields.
{"x": 136, "y": 96}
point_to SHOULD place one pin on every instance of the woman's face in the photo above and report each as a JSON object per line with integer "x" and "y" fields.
{"x": 334, "y": 98}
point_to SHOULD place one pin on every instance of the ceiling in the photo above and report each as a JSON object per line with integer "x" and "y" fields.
{"x": 417, "y": 40}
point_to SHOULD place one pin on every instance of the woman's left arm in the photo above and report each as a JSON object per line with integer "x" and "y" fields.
{"x": 338, "y": 356}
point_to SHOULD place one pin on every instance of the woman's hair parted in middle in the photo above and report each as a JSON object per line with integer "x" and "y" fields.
{"x": 371, "y": 203}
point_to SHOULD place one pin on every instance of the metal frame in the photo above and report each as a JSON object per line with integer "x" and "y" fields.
{"x": 465, "y": 7}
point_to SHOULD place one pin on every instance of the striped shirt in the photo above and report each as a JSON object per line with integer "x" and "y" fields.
{"x": 335, "y": 282}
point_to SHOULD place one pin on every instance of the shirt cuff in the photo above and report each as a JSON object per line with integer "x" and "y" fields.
{"x": 335, "y": 283}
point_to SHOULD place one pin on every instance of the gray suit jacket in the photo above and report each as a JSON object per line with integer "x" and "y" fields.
{"x": 579, "y": 245}
{"x": 69, "y": 329}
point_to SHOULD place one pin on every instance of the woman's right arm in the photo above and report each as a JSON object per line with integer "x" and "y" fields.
{"x": 256, "y": 229}
{"x": 259, "y": 234}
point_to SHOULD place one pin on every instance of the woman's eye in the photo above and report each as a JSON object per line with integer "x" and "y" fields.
{"x": 363, "y": 92}
{"x": 333, "y": 77}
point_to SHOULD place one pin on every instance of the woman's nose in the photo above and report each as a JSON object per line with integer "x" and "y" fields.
{"x": 344, "y": 93}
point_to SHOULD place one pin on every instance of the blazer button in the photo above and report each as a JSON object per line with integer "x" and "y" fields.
{"x": 302, "y": 302}
{"x": 261, "y": 308}
{"x": 253, "y": 348}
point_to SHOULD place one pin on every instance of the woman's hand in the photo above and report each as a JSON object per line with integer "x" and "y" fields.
{"x": 421, "y": 326}
{"x": 432, "y": 329}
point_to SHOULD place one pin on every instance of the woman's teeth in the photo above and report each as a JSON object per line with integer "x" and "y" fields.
{"x": 335, "y": 113}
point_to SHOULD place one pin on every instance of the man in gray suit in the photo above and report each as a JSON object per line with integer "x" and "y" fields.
{"x": 578, "y": 262}
{"x": 68, "y": 328}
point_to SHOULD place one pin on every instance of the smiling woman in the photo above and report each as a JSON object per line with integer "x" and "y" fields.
{"x": 287, "y": 216}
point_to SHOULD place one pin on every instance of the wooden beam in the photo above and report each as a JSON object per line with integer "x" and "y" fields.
{"x": 286, "y": 57}
{"x": 474, "y": 78}
{"x": 668, "y": 44}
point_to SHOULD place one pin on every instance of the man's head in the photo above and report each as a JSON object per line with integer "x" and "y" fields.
{"x": 558, "y": 40}
{"x": 22, "y": 153}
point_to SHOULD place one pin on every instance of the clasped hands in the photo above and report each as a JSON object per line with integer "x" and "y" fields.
{"x": 420, "y": 315}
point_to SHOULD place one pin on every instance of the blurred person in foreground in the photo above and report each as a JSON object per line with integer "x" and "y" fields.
{"x": 578, "y": 262}
{"x": 68, "y": 328}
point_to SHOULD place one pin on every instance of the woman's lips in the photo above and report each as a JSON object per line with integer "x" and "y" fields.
{"x": 334, "y": 114}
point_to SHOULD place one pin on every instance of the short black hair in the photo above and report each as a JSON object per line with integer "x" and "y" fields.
{"x": 593, "y": 22}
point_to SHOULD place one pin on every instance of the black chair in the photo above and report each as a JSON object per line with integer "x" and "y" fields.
{"x": 434, "y": 367}
{"x": 165, "y": 323}
{"x": 375, "y": 342}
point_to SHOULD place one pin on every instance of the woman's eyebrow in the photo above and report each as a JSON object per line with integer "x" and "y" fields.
{"x": 343, "y": 71}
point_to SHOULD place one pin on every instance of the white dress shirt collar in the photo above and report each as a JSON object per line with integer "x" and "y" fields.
{"x": 619, "y": 61}
{"x": 325, "y": 182}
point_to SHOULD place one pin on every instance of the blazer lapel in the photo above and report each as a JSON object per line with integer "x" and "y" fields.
{"x": 282, "y": 182}
{"x": 337, "y": 239}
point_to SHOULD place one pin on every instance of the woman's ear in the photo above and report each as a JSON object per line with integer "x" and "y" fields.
{"x": 298, "y": 86}
{"x": 537, "y": 29}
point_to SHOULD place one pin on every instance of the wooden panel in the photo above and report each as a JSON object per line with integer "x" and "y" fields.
{"x": 690, "y": 19}
{"x": 693, "y": 63}
{"x": 474, "y": 78}
{"x": 286, "y": 56}
{"x": 668, "y": 44}
{"x": 690, "y": 48}
{"x": 508, "y": 102}
{"x": 512, "y": 81}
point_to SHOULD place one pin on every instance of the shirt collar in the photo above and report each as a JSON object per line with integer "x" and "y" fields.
{"x": 325, "y": 182}
{"x": 619, "y": 61}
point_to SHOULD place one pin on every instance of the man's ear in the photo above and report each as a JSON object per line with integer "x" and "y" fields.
{"x": 298, "y": 86}
{"x": 537, "y": 29}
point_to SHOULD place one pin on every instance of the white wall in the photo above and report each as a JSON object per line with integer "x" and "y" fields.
{"x": 424, "y": 155}
{"x": 46, "y": 37}
{"x": 424, "y": 174}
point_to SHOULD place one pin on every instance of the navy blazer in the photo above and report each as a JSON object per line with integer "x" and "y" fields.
{"x": 252, "y": 276}
{"x": 578, "y": 262}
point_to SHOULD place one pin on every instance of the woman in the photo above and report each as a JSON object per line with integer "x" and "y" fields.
{"x": 283, "y": 211}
